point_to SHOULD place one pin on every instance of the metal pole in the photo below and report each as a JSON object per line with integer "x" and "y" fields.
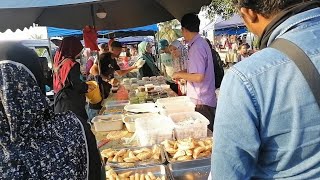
{"x": 93, "y": 15}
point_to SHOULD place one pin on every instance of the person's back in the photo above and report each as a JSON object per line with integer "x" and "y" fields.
{"x": 271, "y": 129}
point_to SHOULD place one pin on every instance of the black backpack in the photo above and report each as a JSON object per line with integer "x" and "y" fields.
{"x": 218, "y": 68}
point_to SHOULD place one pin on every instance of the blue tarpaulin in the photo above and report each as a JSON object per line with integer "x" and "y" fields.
{"x": 231, "y": 31}
{"x": 54, "y": 32}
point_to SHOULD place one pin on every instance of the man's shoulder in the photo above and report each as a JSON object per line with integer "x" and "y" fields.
{"x": 261, "y": 62}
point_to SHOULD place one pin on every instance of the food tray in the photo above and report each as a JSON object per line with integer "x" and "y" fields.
{"x": 114, "y": 110}
{"x": 157, "y": 170}
{"x": 115, "y": 103}
{"x": 139, "y": 163}
{"x": 170, "y": 160}
{"x": 187, "y": 122}
{"x": 190, "y": 170}
{"x": 108, "y": 122}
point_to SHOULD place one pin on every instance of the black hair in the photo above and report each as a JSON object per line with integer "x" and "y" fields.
{"x": 116, "y": 44}
{"x": 244, "y": 44}
{"x": 191, "y": 22}
{"x": 266, "y": 8}
{"x": 104, "y": 45}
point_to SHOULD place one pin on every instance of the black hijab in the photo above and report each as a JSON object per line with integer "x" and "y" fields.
{"x": 283, "y": 16}
{"x": 16, "y": 52}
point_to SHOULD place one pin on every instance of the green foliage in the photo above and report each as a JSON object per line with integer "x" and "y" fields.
{"x": 169, "y": 30}
{"x": 224, "y": 8}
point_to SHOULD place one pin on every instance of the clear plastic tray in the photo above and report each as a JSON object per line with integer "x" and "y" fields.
{"x": 108, "y": 122}
{"x": 176, "y": 107}
{"x": 153, "y": 130}
{"x": 190, "y": 124}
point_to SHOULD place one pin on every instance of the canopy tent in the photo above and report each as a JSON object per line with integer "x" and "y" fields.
{"x": 220, "y": 23}
{"x": 231, "y": 31}
{"x": 137, "y": 31}
{"x": 128, "y": 40}
{"x": 76, "y": 14}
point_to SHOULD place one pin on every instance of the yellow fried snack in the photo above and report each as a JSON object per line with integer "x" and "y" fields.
{"x": 189, "y": 152}
{"x": 120, "y": 159}
{"x": 166, "y": 144}
{"x": 121, "y": 152}
{"x": 171, "y": 150}
{"x": 142, "y": 177}
{"x": 129, "y": 160}
{"x": 151, "y": 175}
{"x": 201, "y": 143}
{"x": 132, "y": 156}
{"x": 125, "y": 175}
{"x": 179, "y": 154}
{"x": 147, "y": 177}
{"x": 126, "y": 165}
{"x": 185, "y": 158}
{"x": 197, "y": 151}
{"x": 136, "y": 176}
{"x": 144, "y": 156}
{"x": 110, "y": 159}
{"x": 115, "y": 159}
{"x": 132, "y": 177}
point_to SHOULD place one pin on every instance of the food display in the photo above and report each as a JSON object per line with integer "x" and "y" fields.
{"x": 187, "y": 122}
{"x": 158, "y": 172}
{"x": 187, "y": 149}
{"x": 108, "y": 122}
{"x": 125, "y": 158}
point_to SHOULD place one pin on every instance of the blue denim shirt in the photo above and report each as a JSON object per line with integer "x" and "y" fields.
{"x": 267, "y": 124}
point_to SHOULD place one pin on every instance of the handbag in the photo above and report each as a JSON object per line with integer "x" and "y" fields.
{"x": 303, "y": 62}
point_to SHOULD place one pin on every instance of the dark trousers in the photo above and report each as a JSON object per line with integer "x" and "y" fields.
{"x": 208, "y": 112}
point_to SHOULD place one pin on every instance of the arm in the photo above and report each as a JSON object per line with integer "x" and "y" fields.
{"x": 74, "y": 79}
{"x": 197, "y": 78}
{"x": 236, "y": 134}
{"x": 125, "y": 71}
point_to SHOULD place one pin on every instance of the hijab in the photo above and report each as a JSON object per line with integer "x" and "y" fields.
{"x": 64, "y": 60}
{"x": 184, "y": 54}
{"x": 283, "y": 16}
{"x": 35, "y": 143}
{"x": 16, "y": 52}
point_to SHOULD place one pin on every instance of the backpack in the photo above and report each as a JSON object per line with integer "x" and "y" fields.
{"x": 218, "y": 68}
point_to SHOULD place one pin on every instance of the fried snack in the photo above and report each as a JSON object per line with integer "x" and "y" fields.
{"x": 184, "y": 158}
{"x": 197, "y": 151}
{"x": 132, "y": 177}
{"x": 111, "y": 174}
{"x": 158, "y": 178}
{"x": 138, "y": 151}
{"x": 108, "y": 154}
{"x": 166, "y": 144}
{"x": 147, "y": 177}
{"x": 121, "y": 152}
{"x": 142, "y": 177}
{"x": 171, "y": 150}
{"x": 126, "y": 165}
{"x": 179, "y": 154}
{"x": 110, "y": 159}
{"x": 125, "y": 175}
{"x": 126, "y": 155}
{"x": 146, "y": 150}
{"x": 129, "y": 160}
{"x": 152, "y": 177}
{"x": 208, "y": 148}
{"x": 132, "y": 156}
{"x": 120, "y": 159}
{"x": 189, "y": 152}
{"x": 156, "y": 152}
{"x": 208, "y": 142}
{"x": 163, "y": 178}
{"x": 144, "y": 156}
{"x": 136, "y": 176}
{"x": 115, "y": 159}
{"x": 105, "y": 153}
{"x": 201, "y": 143}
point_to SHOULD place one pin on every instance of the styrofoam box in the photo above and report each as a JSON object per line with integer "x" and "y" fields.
{"x": 176, "y": 107}
{"x": 154, "y": 130}
{"x": 190, "y": 124}
{"x": 108, "y": 122}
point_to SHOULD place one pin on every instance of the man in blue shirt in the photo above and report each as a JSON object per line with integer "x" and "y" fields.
{"x": 267, "y": 123}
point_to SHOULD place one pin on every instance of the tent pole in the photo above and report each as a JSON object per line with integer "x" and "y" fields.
{"x": 93, "y": 16}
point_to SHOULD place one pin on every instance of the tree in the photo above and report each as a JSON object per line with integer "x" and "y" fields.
{"x": 169, "y": 30}
{"x": 224, "y": 8}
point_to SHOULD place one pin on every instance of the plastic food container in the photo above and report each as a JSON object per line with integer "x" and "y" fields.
{"x": 126, "y": 81}
{"x": 130, "y": 120}
{"x": 153, "y": 130}
{"x": 133, "y": 80}
{"x": 190, "y": 124}
{"x": 176, "y": 107}
{"x": 141, "y": 82}
{"x": 146, "y": 79}
{"x": 165, "y": 86}
{"x": 108, "y": 123}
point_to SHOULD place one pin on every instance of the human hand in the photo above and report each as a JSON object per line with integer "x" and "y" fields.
{"x": 176, "y": 76}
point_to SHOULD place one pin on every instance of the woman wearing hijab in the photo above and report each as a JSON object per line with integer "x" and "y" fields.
{"x": 180, "y": 58}
{"x": 35, "y": 143}
{"x": 69, "y": 89}
{"x": 149, "y": 68}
